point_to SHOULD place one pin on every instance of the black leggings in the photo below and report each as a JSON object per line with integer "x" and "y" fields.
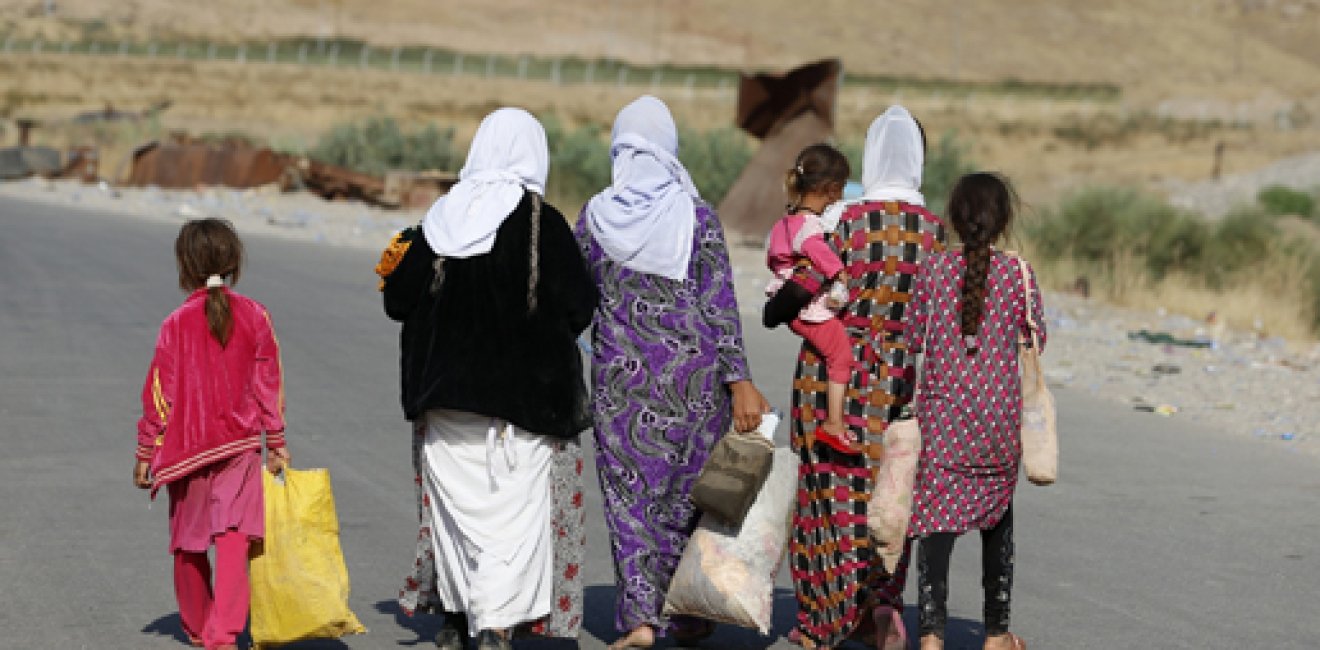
{"x": 996, "y": 577}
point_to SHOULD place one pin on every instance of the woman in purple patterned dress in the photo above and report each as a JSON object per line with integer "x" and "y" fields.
{"x": 668, "y": 364}
{"x": 969, "y": 307}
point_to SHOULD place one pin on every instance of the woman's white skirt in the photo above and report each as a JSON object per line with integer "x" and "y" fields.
{"x": 488, "y": 484}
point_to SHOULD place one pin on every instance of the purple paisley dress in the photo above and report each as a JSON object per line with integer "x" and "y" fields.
{"x": 662, "y": 353}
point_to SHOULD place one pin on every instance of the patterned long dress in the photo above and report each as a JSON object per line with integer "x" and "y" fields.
{"x": 970, "y": 407}
{"x": 837, "y": 576}
{"x": 663, "y": 351}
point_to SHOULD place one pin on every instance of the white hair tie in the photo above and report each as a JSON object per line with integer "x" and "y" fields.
{"x": 214, "y": 281}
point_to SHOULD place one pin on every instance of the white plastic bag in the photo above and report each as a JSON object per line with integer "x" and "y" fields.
{"x": 728, "y": 574}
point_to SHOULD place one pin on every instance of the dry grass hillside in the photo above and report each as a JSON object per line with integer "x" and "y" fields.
{"x": 1193, "y": 73}
{"x": 1227, "y": 48}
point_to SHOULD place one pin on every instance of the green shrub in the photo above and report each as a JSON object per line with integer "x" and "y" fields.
{"x": 378, "y": 145}
{"x": 1240, "y": 240}
{"x": 1121, "y": 233}
{"x": 579, "y": 164}
{"x": 1102, "y": 224}
{"x": 1280, "y": 200}
{"x": 714, "y": 159}
{"x": 1095, "y": 224}
{"x": 946, "y": 162}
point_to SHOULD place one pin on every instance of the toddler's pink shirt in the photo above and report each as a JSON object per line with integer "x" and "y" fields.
{"x": 793, "y": 238}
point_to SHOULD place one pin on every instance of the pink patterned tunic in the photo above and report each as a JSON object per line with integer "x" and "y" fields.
{"x": 970, "y": 407}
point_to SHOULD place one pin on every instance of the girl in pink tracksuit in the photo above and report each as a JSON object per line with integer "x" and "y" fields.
{"x": 214, "y": 386}
{"x": 816, "y": 181}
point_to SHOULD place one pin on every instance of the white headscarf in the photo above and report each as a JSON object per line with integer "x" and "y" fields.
{"x": 645, "y": 219}
{"x": 508, "y": 155}
{"x": 892, "y": 159}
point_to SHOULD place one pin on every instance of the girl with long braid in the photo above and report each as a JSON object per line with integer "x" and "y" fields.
{"x": 968, "y": 311}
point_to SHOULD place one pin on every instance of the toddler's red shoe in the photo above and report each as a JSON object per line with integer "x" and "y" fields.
{"x": 837, "y": 443}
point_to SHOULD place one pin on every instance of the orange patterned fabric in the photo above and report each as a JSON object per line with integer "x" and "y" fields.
{"x": 837, "y": 575}
{"x": 391, "y": 256}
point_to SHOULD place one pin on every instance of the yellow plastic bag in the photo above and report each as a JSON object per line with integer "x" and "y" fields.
{"x": 299, "y": 581}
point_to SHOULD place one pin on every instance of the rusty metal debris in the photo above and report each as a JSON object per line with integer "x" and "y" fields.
{"x": 766, "y": 101}
{"x": 187, "y": 164}
{"x": 80, "y": 162}
{"x": 184, "y": 164}
{"x": 337, "y": 183}
{"x": 21, "y": 162}
{"x": 408, "y": 190}
{"x": 788, "y": 112}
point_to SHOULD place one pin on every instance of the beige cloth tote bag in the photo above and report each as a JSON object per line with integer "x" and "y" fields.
{"x": 1040, "y": 438}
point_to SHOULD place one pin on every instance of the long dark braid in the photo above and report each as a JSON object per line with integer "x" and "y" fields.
{"x": 534, "y": 254}
{"x": 980, "y": 210}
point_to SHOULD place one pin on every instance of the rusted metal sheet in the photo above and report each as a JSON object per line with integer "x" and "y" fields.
{"x": 788, "y": 112}
{"x": 766, "y": 102}
{"x": 186, "y": 165}
{"x": 757, "y": 198}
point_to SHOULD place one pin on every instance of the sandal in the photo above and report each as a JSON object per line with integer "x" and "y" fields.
{"x": 838, "y": 443}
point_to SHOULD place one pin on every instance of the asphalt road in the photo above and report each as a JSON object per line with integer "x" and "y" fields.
{"x": 1158, "y": 536}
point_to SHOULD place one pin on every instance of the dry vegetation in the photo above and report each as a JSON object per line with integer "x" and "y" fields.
{"x": 1251, "y": 44}
{"x": 1047, "y": 146}
{"x": 1189, "y": 70}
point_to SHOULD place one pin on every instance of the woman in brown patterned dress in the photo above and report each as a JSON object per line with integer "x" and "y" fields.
{"x": 843, "y": 589}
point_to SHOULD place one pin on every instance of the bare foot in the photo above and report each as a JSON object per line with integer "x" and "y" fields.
{"x": 641, "y": 636}
{"x": 1005, "y": 641}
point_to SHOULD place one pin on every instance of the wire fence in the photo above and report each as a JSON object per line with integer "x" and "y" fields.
{"x": 419, "y": 60}
{"x": 558, "y": 70}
